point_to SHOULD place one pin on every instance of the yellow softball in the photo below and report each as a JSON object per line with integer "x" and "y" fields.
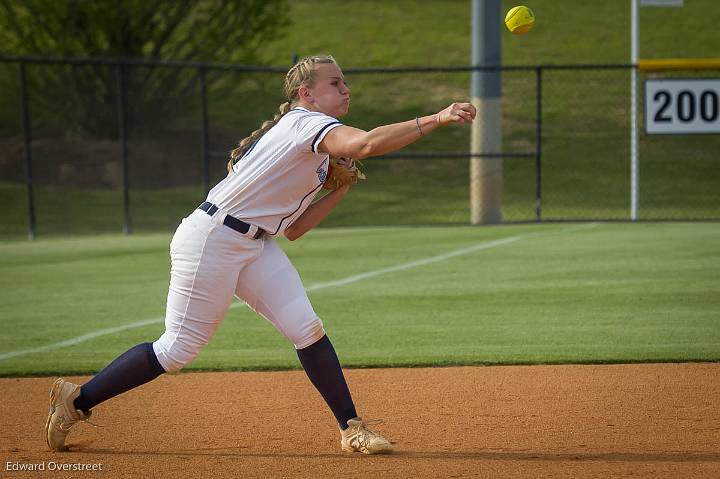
{"x": 519, "y": 20}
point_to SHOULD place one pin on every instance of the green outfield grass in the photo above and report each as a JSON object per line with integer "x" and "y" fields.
{"x": 550, "y": 293}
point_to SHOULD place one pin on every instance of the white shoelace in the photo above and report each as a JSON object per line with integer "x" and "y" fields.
{"x": 65, "y": 426}
{"x": 363, "y": 434}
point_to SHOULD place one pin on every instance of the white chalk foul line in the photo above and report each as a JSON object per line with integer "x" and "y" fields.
{"x": 414, "y": 264}
{"x": 80, "y": 339}
{"x": 314, "y": 287}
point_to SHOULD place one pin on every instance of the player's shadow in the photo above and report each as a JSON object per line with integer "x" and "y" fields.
{"x": 670, "y": 457}
{"x": 691, "y": 456}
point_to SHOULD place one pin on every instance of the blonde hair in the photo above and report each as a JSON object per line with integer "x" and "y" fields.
{"x": 301, "y": 74}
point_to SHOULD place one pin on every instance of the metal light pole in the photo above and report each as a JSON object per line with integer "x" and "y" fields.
{"x": 486, "y": 173}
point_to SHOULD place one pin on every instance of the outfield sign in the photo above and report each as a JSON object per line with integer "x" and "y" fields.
{"x": 681, "y": 106}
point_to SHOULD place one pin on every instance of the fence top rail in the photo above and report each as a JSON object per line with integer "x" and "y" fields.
{"x": 150, "y": 62}
{"x": 424, "y": 155}
{"x": 471, "y": 68}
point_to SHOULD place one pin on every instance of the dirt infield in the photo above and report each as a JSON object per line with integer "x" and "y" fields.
{"x": 652, "y": 420}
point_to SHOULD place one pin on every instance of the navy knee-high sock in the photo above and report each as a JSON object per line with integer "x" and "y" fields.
{"x": 133, "y": 368}
{"x": 323, "y": 368}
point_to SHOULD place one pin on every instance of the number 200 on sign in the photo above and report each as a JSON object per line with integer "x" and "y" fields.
{"x": 682, "y": 106}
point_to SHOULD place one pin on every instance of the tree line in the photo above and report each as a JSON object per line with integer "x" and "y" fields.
{"x": 85, "y": 97}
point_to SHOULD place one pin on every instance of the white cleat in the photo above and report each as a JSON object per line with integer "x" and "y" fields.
{"x": 62, "y": 414}
{"x": 358, "y": 438}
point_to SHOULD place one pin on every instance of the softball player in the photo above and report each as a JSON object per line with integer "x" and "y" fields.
{"x": 226, "y": 248}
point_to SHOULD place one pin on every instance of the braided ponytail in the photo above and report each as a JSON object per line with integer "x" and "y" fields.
{"x": 246, "y": 143}
{"x": 302, "y": 73}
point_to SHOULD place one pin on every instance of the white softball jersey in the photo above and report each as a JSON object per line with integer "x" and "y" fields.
{"x": 279, "y": 176}
{"x": 274, "y": 183}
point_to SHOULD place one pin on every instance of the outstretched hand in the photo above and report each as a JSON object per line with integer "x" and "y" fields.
{"x": 457, "y": 113}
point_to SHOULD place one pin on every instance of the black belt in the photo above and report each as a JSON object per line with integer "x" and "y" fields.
{"x": 230, "y": 221}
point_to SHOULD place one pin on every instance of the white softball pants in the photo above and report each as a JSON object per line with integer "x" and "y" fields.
{"x": 210, "y": 263}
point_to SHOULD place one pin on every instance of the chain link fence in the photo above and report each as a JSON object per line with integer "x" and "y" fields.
{"x": 98, "y": 149}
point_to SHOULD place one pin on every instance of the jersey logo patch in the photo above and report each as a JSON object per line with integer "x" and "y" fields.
{"x": 321, "y": 172}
